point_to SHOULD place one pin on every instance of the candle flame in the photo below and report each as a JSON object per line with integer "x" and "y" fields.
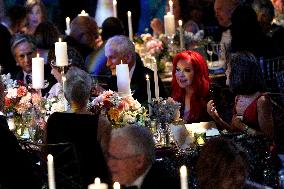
{"x": 37, "y": 55}
{"x": 180, "y": 22}
{"x": 183, "y": 171}
{"x": 67, "y": 19}
{"x": 121, "y": 62}
{"x": 49, "y": 157}
{"x": 114, "y": 2}
{"x": 147, "y": 77}
{"x": 83, "y": 12}
{"x": 97, "y": 181}
{"x": 170, "y": 2}
{"x": 129, "y": 13}
{"x": 59, "y": 39}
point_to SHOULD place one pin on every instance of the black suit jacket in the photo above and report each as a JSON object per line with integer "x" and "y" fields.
{"x": 47, "y": 76}
{"x": 81, "y": 131}
{"x": 16, "y": 169}
{"x": 7, "y": 60}
{"x": 159, "y": 178}
{"x": 138, "y": 84}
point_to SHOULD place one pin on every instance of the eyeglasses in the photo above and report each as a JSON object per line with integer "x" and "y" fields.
{"x": 112, "y": 157}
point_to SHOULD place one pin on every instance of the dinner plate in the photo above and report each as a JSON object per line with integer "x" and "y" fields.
{"x": 215, "y": 65}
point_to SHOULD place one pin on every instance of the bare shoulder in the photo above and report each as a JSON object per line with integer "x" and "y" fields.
{"x": 264, "y": 102}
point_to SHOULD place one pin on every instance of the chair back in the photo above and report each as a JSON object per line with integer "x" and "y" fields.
{"x": 66, "y": 165}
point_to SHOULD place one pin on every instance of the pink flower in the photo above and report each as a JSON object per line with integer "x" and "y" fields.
{"x": 22, "y": 91}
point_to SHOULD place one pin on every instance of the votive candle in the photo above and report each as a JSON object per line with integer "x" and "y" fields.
{"x": 50, "y": 169}
{"x": 130, "y": 25}
{"x": 183, "y": 177}
{"x": 38, "y": 72}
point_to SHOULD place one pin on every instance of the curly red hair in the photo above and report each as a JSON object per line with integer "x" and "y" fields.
{"x": 200, "y": 84}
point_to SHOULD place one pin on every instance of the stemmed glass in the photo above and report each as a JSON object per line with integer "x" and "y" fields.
{"x": 209, "y": 48}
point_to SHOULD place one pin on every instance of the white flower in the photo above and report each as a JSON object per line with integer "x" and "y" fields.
{"x": 12, "y": 93}
{"x": 128, "y": 119}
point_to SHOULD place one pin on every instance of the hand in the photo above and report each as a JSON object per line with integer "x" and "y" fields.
{"x": 157, "y": 26}
{"x": 212, "y": 110}
{"x": 237, "y": 123}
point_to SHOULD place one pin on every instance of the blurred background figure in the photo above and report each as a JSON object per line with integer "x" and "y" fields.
{"x": 190, "y": 85}
{"x": 46, "y": 34}
{"x": 84, "y": 35}
{"x": 279, "y": 12}
{"x": 96, "y": 61}
{"x": 14, "y": 22}
{"x": 36, "y": 14}
{"x": 223, "y": 164}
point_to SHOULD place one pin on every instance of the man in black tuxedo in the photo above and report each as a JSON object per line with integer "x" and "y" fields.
{"x": 131, "y": 160}
{"x": 16, "y": 170}
{"x": 120, "y": 48}
{"x": 23, "y": 48}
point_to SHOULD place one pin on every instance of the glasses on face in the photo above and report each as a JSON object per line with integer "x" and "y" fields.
{"x": 112, "y": 157}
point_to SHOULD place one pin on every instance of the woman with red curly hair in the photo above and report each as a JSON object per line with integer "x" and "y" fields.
{"x": 190, "y": 85}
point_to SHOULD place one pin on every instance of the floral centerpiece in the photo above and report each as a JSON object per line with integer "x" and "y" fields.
{"x": 153, "y": 49}
{"x": 120, "y": 110}
{"x": 165, "y": 110}
{"x": 23, "y": 104}
{"x": 55, "y": 104}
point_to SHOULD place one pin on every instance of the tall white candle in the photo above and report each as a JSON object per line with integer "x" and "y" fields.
{"x": 83, "y": 13}
{"x": 61, "y": 53}
{"x": 149, "y": 94}
{"x": 123, "y": 80}
{"x": 38, "y": 72}
{"x": 169, "y": 22}
{"x": 116, "y": 185}
{"x": 171, "y": 7}
{"x": 183, "y": 177}
{"x": 67, "y": 31}
{"x": 98, "y": 186}
{"x": 50, "y": 169}
{"x": 114, "y": 7}
{"x": 156, "y": 80}
{"x": 181, "y": 40}
{"x": 130, "y": 25}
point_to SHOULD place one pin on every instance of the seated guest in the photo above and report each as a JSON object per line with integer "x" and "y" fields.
{"x": 131, "y": 160}
{"x": 84, "y": 35}
{"x": 96, "y": 61}
{"x": 16, "y": 168}
{"x": 190, "y": 85}
{"x": 24, "y": 49}
{"x": 120, "y": 48}
{"x": 15, "y": 22}
{"x": 36, "y": 14}
{"x": 87, "y": 132}
{"x": 252, "y": 109}
{"x": 223, "y": 165}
